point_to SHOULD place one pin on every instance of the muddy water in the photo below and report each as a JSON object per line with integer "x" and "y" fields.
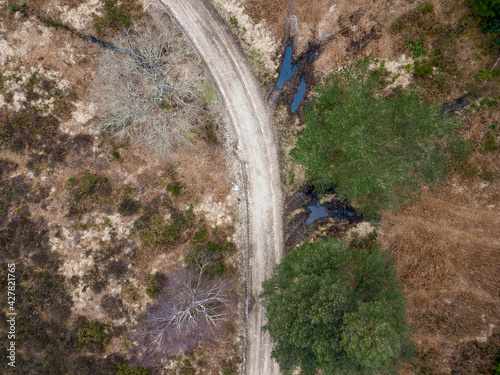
{"x": 318, "y": 212}
{"x": 305, "y": 213}
{"x": 287, "y": 70}
{"x": 299, "y": 96}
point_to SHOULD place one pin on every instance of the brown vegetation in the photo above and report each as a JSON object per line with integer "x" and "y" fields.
{"x": 447, "y": 251}
{"x": 70, "y": 198}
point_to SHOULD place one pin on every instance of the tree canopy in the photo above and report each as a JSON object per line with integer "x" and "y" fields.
{"x": 374, "y": 150}
{"x": 337, "y": 308}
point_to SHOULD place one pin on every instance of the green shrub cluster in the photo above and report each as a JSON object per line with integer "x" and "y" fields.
{"x": 175, "y": 188}
{"x": 486, "y": 8}
{"x": 128, "y": 205}
{"x": 116, "y": 16}
{"x": 91, "y": 333}
{"x": 208, "y": 250}
{"x": 158, "y": 232}
{"x": 126, "y": 369}
{"x": 154, "y": 284}
{"x": 89, "y": 191}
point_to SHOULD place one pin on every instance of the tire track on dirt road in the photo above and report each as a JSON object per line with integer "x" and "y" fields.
{"x": 257, "y": 150}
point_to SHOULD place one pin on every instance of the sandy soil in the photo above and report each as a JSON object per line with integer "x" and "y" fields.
{"x": 257, "y": 151}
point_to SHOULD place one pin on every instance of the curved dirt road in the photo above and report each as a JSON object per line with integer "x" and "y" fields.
{"x": 258, "y": 154}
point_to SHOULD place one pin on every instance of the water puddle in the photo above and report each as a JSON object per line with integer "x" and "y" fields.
{"x": 319, "y": 212}
{"x": 299, "y": 96}
{"x": 329, "y": 209}
{"x": 287, "y": 71}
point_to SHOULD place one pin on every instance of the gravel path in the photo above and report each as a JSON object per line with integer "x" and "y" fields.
{"x": 258, "y": 153}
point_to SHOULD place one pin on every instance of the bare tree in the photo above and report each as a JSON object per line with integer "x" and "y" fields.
{"x": 147, "y": 88}
{"x": 193, "y": 310}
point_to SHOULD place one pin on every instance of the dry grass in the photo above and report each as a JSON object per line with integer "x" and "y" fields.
{"x": 447, "y": 252}
{"x": 447, "y": 248}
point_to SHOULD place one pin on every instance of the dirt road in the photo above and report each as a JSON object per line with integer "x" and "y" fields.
{"x": 258, "y": 153}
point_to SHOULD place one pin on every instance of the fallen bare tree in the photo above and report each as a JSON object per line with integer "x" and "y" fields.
{"x": 193, "y": 310}
{"x": 147, "y": 88}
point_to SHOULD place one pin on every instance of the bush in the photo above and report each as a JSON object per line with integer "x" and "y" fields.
{"x": 423, "y": 68}
{"x": 154, "y": 284}
{"x": 337, "y": 308}
{"x": 89, "y": 184}
{"x": 374, "y": 150}
{"x": 128, "y": 205}
{"x": 486, "y": 8}
{"x": 115, "y": 17}
{"x": 157, "y": 231}
{"x": 174, "y": 188}
{"x": 208, "y": 255}
{"x": 89, "y": 191}
{"x": 416, "y": 48}
{"x": 126, "y": 369}
{"x": 91, "y": 333}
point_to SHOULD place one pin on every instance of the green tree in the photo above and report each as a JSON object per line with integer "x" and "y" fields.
{"x": 486, "y": 8}
{"x": 337, "y": 308}
{"x": 374, "y": 150}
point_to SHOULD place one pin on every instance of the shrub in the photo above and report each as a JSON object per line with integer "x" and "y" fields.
{"x": 208, "y": 255}
{"x": 154, "y": 284}
{"x": 89, "y": 184}
{"x": 174, "y": 188}
{"x": 91, "y": 333}
{"x": 426, "y": 8}
{"x": 126, "y": 369}
{"x": 158, "y": 232}
{"x": 416, "y": 48}
{"x": 115, "y": 17}
{"x": 423, "y": 68}
{"x": 128, "y": 206}
{"x": 486, "y": 8}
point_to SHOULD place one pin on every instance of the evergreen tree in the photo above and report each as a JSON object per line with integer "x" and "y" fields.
{"x": 337, "y": 308}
